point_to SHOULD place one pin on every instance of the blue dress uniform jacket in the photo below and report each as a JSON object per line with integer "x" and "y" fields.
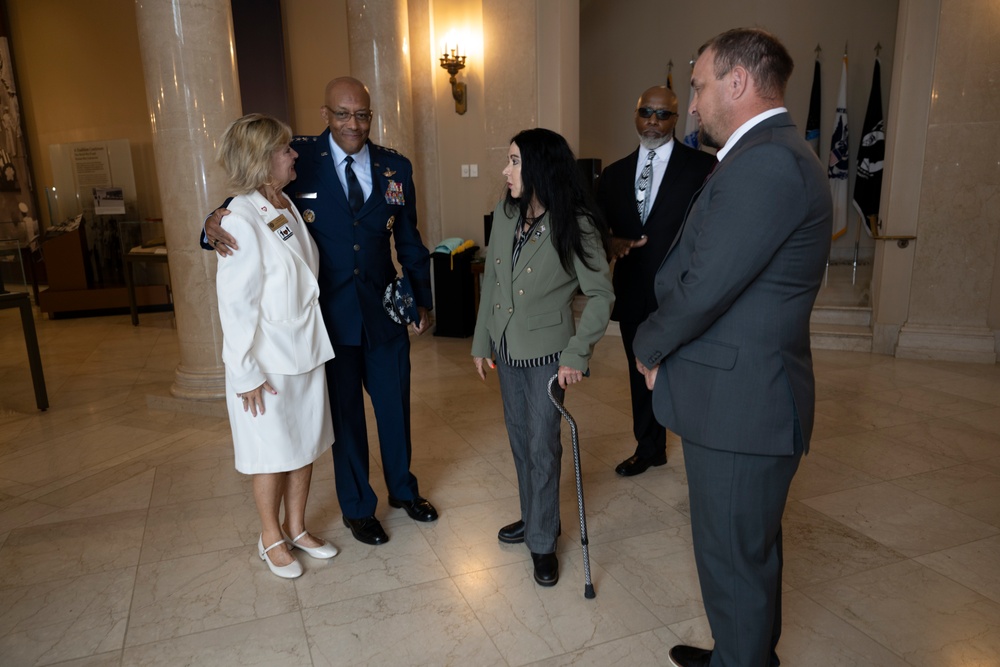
{"x": 355, "y": 256}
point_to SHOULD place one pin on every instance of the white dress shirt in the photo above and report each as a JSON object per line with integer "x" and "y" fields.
{"x": 362, "y": 167}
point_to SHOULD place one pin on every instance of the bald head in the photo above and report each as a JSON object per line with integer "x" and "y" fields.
{"x": 653, "y": 130}
{"x": 347, "y": 113}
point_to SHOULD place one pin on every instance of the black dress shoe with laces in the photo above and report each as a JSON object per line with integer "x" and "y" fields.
{"x": 512, "y": 533}
{"x": 689, "y": 656}
{"x": 636, "y": 464}
{"x": 367, "y": 529}
{"x": 546, "y": 569}
{"x": 419, "y": 508}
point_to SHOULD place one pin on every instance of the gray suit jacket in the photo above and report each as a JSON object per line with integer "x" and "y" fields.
{"x": 731, "y": 331}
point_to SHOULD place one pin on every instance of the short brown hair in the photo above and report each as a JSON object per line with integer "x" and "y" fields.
{"x": 759, "y": 52}
{"x": 246, "y": 148}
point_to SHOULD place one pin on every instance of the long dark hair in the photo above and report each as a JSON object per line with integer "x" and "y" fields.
{"x": 549, "y": 173}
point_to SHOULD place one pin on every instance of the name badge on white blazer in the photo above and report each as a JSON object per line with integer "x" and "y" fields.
{"x": 280, "y": 227}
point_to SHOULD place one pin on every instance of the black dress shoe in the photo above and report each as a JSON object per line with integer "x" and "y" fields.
{"x": 419, "y": 508}
{"x": 546, "y": 569}
{"x": 367, "y": 529}
{"x": 689, "y": 656}
{"x": 636, "y": 464}
{"x": 512, "y": 533}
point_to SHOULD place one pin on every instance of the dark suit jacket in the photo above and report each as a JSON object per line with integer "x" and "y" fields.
{"x": 634, "y": 273}
{"x": 731, "y": 333}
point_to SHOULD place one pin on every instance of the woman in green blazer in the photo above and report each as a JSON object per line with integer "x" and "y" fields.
{"x": 548, "y": 243}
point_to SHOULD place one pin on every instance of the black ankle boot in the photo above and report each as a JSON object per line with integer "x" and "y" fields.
{"x": 546, "y": 569}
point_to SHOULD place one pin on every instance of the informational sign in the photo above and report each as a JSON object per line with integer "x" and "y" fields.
{"x": 91, "y": 166}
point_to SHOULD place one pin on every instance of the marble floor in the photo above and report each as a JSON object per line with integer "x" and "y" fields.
{"x": 126, "y": 537}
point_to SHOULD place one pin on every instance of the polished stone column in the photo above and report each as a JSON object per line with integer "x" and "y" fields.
{"x": 380, "y": 57}
{"x": 188, "y": 57}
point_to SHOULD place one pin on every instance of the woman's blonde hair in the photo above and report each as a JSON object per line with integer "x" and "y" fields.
{"x": 245, "y": 152}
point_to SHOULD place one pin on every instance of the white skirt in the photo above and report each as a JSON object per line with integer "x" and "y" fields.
{"x": 294, "y": 430}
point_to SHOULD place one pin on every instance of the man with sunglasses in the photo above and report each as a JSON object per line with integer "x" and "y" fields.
{"x": 644, "y": 197}
{"x": 355, "y": 196}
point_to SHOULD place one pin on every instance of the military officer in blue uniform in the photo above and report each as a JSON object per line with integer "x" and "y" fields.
{"x": 354, "y": 197}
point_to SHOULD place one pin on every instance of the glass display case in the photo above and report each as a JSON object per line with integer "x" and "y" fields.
{"x": 12, "y": 275}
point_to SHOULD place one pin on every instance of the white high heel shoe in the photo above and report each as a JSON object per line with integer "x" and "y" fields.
{"x": 290, "y": 571}
{"x": 325, "y": 550}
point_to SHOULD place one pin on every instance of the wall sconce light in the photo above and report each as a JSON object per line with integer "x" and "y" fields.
{"x": 453, "y": 63}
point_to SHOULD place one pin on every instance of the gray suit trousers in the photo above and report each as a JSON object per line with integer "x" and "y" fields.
{"x": 737, "y": 501}
{"x": 533, "y": 428}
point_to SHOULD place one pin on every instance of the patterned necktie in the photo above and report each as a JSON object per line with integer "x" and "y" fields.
{"x": 354, "y": 195}
{"x": 642, "y": 188}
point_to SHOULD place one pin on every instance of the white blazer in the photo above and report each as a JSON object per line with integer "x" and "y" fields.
{"x": 268, "y": 295}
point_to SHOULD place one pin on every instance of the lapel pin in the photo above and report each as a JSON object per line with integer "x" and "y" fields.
{"x": 308, "y": 215}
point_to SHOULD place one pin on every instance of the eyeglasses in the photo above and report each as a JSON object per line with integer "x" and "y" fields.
{"x": 363, "y": 116}
{"x": 661, "y": 114}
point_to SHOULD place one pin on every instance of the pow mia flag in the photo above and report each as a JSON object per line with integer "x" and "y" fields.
{"x": 871, "y": 153}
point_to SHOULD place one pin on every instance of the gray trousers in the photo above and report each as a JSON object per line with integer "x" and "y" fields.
{"x": 533, "y": 428}
{"x": 736, "y": 505}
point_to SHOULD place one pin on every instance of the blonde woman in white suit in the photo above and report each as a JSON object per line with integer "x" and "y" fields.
{"x": 275, "y": 343}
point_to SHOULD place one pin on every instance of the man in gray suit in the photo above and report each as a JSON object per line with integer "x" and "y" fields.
{"x": 726, "y": 353}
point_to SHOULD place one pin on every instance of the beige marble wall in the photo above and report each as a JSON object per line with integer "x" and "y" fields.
{"x": 192, "y": 91}
{"x": 558, "y": 64}
{"x": 309, "y": 62}
{"x": 958, "y": 226}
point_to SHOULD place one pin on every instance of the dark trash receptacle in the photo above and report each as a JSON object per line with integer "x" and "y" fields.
{"x": 454, "y": 293}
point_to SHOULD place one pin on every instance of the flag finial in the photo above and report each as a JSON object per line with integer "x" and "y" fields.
{"x": 818, "y": 50}
{"x": 878, "y": 47}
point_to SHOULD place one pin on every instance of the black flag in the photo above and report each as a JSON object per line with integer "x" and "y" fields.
{"x": 812, "y": 120}
{"x": 871, "y": 153}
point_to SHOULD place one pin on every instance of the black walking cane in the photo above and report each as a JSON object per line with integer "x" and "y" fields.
{"x": 588, "y": 588}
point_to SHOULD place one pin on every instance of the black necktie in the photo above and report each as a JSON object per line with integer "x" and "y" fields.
{"x": 354, "y": 195}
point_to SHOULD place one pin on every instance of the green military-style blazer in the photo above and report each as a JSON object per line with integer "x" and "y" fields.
{"x": 533, "y": 302}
